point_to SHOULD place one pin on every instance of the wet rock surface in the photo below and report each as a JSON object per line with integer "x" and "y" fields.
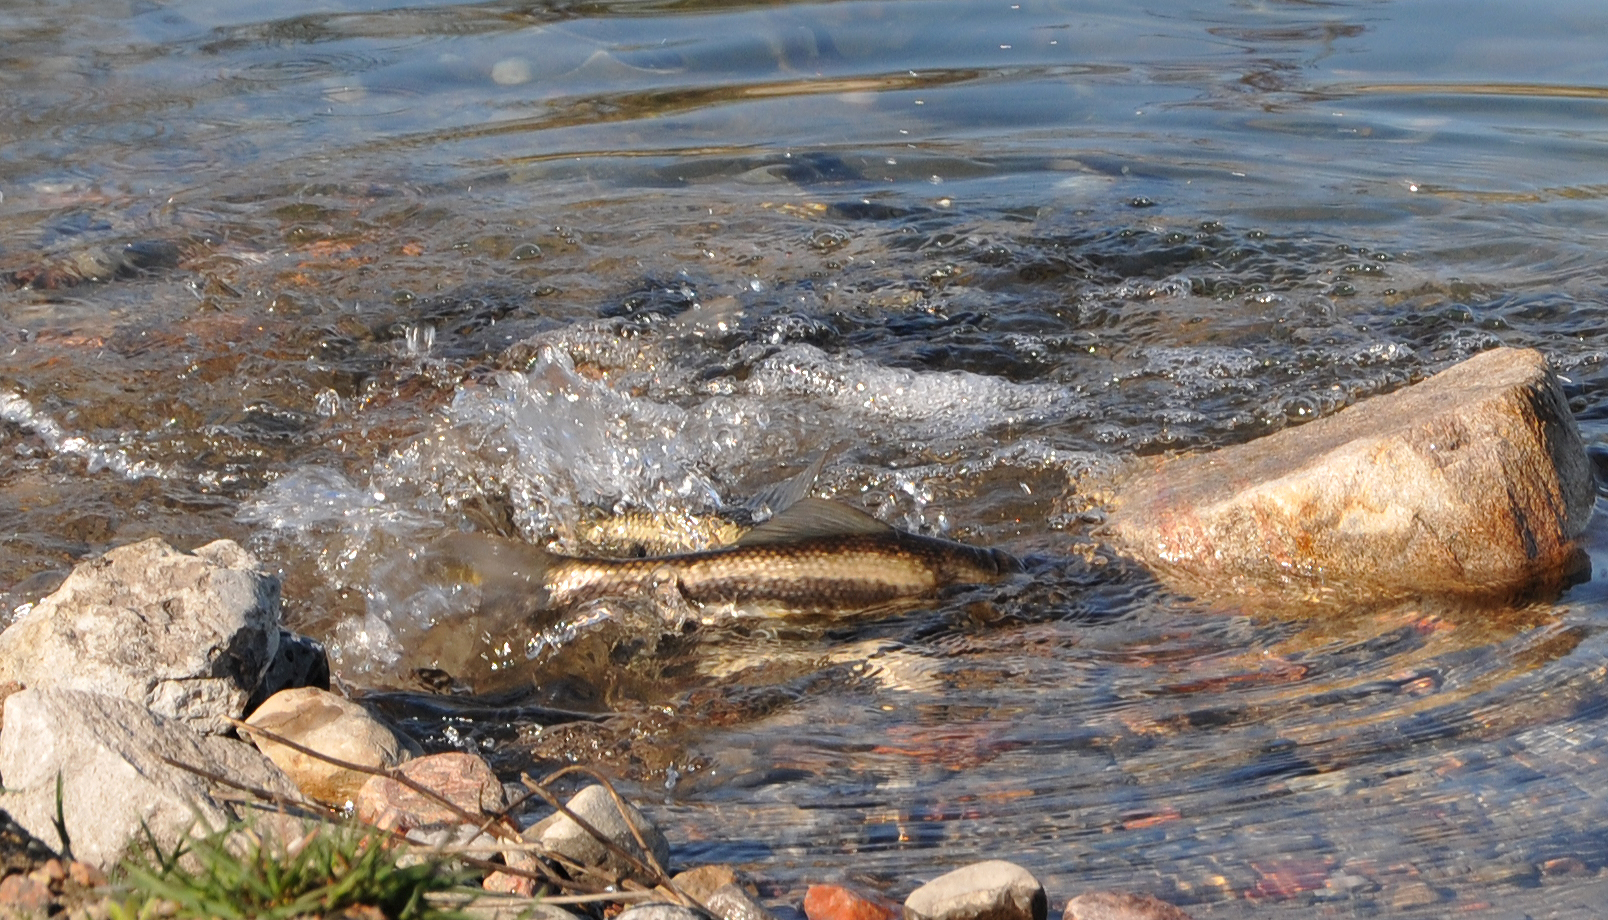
{"x": 992, "y": 890}
{"x": 335, "y": 727}
{"x": 113, "y": 759}
{"x": 187, "y": 635}
{"x": 1473, "y": 482}
{"x": 836, "y": 902}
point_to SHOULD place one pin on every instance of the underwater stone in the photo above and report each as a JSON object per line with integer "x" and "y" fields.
{"x": 1120, "y": 905}
{"x": 1474, "y": 482}
{"x": 188, "y": 635}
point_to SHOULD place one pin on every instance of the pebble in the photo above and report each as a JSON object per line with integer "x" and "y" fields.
{"x": 1120, "y": 905}
{"x": 732, "y": 902}
{"x": 834, "y": 902}
{"x": 24, "y": 896}
{"x": 1413, "y": 894}
{"x": 461, "y": 778}
{"x": 991, "y": 890}
{"x": 658, "y": 911}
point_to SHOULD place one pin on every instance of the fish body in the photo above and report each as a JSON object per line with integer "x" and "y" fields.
{"x": 815, "y": 556}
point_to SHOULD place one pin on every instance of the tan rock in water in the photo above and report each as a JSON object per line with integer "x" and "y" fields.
{"x": 1473, "y": 482}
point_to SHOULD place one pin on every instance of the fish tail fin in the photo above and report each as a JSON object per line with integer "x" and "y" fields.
{"x": 498, "y": 565}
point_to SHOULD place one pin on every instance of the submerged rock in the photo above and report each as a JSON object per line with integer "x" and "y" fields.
{"x": 596, "y": 807}
{"x": 331, "y": 725}
{"x": 187, "y": 635}
{"x": 1474, "y": 482}
{"x": 1120, "y": 905}
{"x": 112, "y": 757}
{"x": 991, "y": 890}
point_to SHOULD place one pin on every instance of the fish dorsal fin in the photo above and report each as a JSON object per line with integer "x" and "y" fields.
{"x": 780, "y": 496}
{"x": 810, "y": 518}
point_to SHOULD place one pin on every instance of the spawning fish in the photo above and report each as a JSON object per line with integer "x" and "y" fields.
{"x": 817, "y": 555}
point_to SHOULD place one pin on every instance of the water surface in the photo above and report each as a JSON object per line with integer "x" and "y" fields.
{"x": 337, "y": 280}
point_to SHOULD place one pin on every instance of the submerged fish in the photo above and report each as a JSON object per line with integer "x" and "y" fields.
{"x": 817, "y": 555}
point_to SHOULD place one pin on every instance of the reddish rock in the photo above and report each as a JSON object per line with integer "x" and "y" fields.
{"x": 1474, "y": 482}
{"x": 1120, "y": 905}
{"x": 23, "y": 896}
{"x": 834, "y": 902}
{"x": 463, "y": 779}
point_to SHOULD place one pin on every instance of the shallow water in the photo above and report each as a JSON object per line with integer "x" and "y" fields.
{"x": 340, "y": 282}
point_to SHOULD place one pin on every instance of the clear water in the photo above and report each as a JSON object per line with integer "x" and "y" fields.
{"x": 340, "y": 281}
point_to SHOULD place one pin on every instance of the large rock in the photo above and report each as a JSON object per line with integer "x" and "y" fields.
{"x": 333, "y": 726}
{"x": 461, "y": 778}
{"x": 187, "y": 635}
{"x": 1120, "y": 905}
{"x": 991, "y": 890}
{"x": 596, "y": 807}
{"x": 1473, "y": 482}
{"x": 111, "y": 756}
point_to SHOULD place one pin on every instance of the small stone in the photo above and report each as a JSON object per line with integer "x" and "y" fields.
{"x": 1120, "y": 905}
{"x": 461, "y": 778}
{"x": 1474, "y": 482}
{"x": 733, "y": 902}
{"x": 834, "y": 902}
{"x": 1413, "y": 894}
{"x": 656, "y": 911}
{"x": 596, "y": 807}
{"x": 24, "y": 896}
{"x": 85, "y": 874}
{"x": 505, "y": 883}
{"x": 991, "y": 890}
{"x": 1563, "y": 865}
{"x": 331, "y": 725}
{"x": 702, "y": 881}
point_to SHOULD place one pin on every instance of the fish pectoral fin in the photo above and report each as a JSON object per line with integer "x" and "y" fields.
{"x": 811, "y": 518}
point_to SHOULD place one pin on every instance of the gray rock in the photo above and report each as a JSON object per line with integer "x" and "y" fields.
{"x": 596, "y": 807}
{"x": 333, "y": 726}
{"x": 109, "y": 753}
{"x": 299, "y": 662}
{"x": 187, "y": 635}
{"x": 1474, "y": 482}
{"x": 1120, "y": 905}
{"x": 658, "y": 911}
{"x": 991, "y": 890}
{"x": 732, "y": 902}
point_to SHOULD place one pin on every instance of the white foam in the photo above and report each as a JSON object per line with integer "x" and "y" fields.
{"x": 20, "y": 412}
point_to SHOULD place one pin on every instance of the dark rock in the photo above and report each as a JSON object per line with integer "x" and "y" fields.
{"x": 992, "y": 890}
{"x": 1472, "y": 483}
{"x": 299, "y": 662}
{"x": 187, "y": 635}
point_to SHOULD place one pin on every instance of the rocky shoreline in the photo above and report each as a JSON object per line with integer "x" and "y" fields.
{"x": 156, "y": 694}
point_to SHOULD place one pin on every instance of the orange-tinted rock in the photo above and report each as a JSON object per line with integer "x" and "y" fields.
{"x": 834, "y": 902}
{"x": 1120, "y": 905}
{"x": 335, "y": 727}
{"x": 1473, "y": 482}
{"x": 463, "y": 779}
